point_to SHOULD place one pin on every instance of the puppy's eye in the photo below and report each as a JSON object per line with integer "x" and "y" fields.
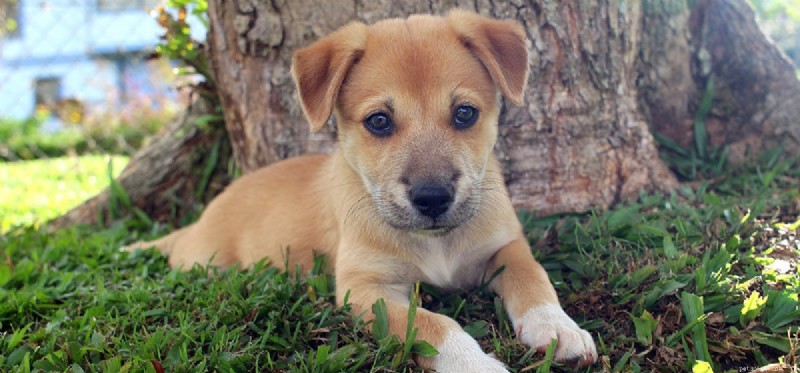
{"x": 379, "y": 124}
{"x": 464, "y": 116}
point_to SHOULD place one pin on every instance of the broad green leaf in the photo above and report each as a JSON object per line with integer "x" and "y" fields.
{"x": 642, "y": 274}
{"x": 778, "y": 342}
{"x": 669, "y": 248}
{"x": 693, "y": 311}
{"x": 477, "y": 329}
{"x": 322, "y": 355}
{"x": 645, "y": 326}
{"x": 425, "y": 349}
{"x": 620, "y": 365}
{"x": 380, "y": 325}
{"x": 782, "y": 307}
{"x": 752, "y": 308}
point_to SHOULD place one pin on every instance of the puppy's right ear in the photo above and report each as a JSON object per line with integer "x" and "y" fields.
{"x": 319, "y": 69}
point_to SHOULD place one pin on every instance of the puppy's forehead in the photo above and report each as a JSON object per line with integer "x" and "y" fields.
{"x": 413, "y": 41}
{"x": 416, "y": 57}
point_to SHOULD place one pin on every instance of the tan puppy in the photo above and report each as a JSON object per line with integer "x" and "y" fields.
{"x": 413, "y": 192}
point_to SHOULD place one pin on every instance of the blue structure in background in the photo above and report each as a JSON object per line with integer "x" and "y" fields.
{"x": 88, "y": 50}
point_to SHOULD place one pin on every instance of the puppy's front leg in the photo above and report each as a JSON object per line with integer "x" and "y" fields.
{"x": 533, "y": 306}
{"x": 458, "y": 351}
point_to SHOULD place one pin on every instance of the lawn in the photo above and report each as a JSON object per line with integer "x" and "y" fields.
{"x": 703, "y": 278}
{"x": 36, "y": 191}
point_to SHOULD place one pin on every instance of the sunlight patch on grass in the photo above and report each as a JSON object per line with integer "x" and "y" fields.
{"x": 32, "y": 192}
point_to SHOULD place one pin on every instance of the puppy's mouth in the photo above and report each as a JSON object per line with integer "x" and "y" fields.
{"x": 435, "y": 230}
{"x": 429, "y": 210}
{"x": 406, "y": 217}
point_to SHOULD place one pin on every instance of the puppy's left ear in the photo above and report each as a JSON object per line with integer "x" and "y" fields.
{"x": 319, "y": 69}
{"x": 501, "y": 48}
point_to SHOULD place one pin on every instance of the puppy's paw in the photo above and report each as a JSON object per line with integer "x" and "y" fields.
{"x": 136, "y": 246}
{"x": 460, "y": 353}
{"x": 541, "y": 324}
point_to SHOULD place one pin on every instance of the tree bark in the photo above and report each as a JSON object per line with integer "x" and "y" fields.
{"x": 756, "y": 91}
{"x": 753, "y": 85}
{"x": 605, "y": 75}
{"x": 581, "y": 140}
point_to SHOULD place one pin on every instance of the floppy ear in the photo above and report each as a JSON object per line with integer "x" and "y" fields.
{"x": 319, "y": 69}
{"x": 501, "y": 48}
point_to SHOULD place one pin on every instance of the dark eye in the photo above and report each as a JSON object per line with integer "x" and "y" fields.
{"x": 379, "y": 124}
{"x": 464, "y": 116}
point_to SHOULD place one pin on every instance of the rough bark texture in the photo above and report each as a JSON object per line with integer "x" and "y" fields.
{"x": 754, "y": 86}
{"x": 578, "y": 142}
{"x": 756, "y": 90}
{"x": 581, "y": 140}
{"x": 667, "y": 91}
{"x": 163, "y": 179}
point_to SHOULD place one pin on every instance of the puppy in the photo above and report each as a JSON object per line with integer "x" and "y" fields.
{"x": 413, "y": 192}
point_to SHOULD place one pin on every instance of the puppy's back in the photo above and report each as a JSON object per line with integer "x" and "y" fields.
{"x": 276, "y": 212}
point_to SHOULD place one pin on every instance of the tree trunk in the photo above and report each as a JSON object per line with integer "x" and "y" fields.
{"x": 580, "y": 140}
{"x": 715, "y": 48}
{"x": 603, "y": 75}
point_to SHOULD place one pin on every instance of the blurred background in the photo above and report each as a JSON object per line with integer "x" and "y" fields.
{"x": 83, "y": 67}
{"x": 82, "y": 88}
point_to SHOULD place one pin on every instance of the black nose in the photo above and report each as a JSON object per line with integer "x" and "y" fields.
{"x": 430, "y": 199}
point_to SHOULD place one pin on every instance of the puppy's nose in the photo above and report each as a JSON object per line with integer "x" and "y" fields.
{"x": 431, "y": 199}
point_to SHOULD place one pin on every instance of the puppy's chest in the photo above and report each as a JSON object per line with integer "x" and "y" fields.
{"x": 451, "y": 264}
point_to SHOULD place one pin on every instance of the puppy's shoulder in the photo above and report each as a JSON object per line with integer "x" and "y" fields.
{"x": 292, "y": 170}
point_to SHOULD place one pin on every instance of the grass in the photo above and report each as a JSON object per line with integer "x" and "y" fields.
{"x": 36, "y": 191}
{"x": 108, "y": 133}
{"x": 704, "y": 278}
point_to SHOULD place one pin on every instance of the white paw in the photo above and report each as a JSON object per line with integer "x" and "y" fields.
{"x": 541, "y": 324}
{"x": 460, "y": 353}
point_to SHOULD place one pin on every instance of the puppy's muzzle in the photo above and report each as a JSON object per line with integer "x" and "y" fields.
{"x": 431, "y": 199}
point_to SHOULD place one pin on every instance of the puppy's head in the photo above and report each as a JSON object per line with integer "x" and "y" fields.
{"x": 417, "y": 103}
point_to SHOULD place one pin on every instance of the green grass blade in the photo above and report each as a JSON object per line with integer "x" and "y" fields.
{"x": 700, "y": 132}
{"x": 208, "y": 170}
{"x": 693, "y": 311}
{"x": 380, "y": 325}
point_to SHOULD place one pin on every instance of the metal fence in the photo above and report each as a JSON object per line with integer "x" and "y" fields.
{"x": 83, "y": 65}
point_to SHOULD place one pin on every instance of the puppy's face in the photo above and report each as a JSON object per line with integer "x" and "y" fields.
{"x": 418, "y": 119}
{"x": 417, "y": 109}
